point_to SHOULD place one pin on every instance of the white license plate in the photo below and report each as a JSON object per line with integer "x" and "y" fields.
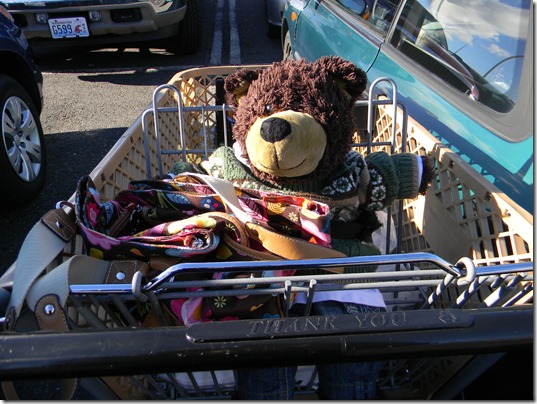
{"x": 68, "y": 27}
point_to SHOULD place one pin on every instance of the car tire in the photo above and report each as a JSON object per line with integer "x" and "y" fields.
{"x": 188, "y": 38}
{"x": 22, "y": 146}
{"x": 287, "y": 50}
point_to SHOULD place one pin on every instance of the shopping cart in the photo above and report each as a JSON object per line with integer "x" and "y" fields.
{"x": 457, "y": 278}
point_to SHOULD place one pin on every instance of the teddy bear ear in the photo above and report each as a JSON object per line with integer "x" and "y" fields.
{"x": 237, "y": 84}
{"x": 351, "y": 79}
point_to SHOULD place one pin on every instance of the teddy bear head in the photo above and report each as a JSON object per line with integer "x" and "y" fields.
{"x": 293, "y": 119}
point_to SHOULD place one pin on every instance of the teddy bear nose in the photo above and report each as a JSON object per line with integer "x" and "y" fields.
{"x": 275, "y": 129}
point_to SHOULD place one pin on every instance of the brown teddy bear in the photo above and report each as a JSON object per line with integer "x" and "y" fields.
{"x": 292, "y": 133}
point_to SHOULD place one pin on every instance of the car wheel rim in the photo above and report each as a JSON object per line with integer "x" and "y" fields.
{"x": 287, "y": 55}
{"x": 287, "y": 51}
{"x": 21, "y": 139}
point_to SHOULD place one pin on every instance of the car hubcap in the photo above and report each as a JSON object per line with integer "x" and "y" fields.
{"x": 287, "y": 51}
{"x": 21, "y": 139}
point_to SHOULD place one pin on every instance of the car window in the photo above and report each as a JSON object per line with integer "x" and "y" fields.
{"x": 378, "y": 14}
{"x": 476, "y": 46}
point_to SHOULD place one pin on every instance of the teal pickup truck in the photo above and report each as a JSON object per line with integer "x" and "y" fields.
{"x": 463, "y": 69}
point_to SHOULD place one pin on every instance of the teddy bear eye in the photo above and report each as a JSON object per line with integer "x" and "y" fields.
{"x": 268, "y": 109}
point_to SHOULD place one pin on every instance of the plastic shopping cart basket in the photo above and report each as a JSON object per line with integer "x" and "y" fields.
{"x": 457, "y": 278}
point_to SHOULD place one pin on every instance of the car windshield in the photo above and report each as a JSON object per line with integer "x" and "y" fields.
{"x": 476, "y": 46}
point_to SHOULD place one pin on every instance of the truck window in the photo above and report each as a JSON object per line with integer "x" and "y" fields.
{"x": 378, "y": 14}
{"x": 476, "y": 47}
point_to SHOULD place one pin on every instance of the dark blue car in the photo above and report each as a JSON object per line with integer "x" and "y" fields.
{"x": 22, "y": 146}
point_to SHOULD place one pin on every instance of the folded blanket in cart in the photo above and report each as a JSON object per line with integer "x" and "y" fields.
{"x": 166, "y": 218}
{"x": 167, "y": 221}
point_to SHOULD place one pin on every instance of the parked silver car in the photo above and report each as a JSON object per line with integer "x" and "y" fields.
{"x": 171, "y": 24}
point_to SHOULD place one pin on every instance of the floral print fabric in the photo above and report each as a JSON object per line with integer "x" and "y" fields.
{"x": 185, "y": 238}
{"x": 164, "y": 217}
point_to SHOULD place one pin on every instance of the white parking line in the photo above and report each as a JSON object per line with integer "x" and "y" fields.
{"x": 216, "y": 50}
{"x": 234, "y": 42}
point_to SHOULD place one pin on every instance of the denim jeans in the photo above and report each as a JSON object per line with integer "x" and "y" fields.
{"x": 339, "y": 381}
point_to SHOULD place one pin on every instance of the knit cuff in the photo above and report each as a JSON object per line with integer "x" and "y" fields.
{"x": 408, "y": 171}
{"x": 384, "y": 180}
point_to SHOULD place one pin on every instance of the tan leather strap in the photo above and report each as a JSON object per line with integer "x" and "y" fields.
{"x": 38, "y": 250}
{"x": 60, "y": 223}
{"x": 249, "y": 252}
{"x": 226, "y": 190}
{"x": 48, "y": 297}
{"x": 234, "y": 224}
{"x": 292, "y": 248}
{"x": 122, "y": 271}
{"x": 280, "y": 246}
{"x": 284, "y": 246}
{"x": 160, "y": 264}
{"x": 50, "y": 316}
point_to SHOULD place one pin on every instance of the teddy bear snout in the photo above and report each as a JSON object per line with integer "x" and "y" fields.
{"x": 275, "y": 129}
